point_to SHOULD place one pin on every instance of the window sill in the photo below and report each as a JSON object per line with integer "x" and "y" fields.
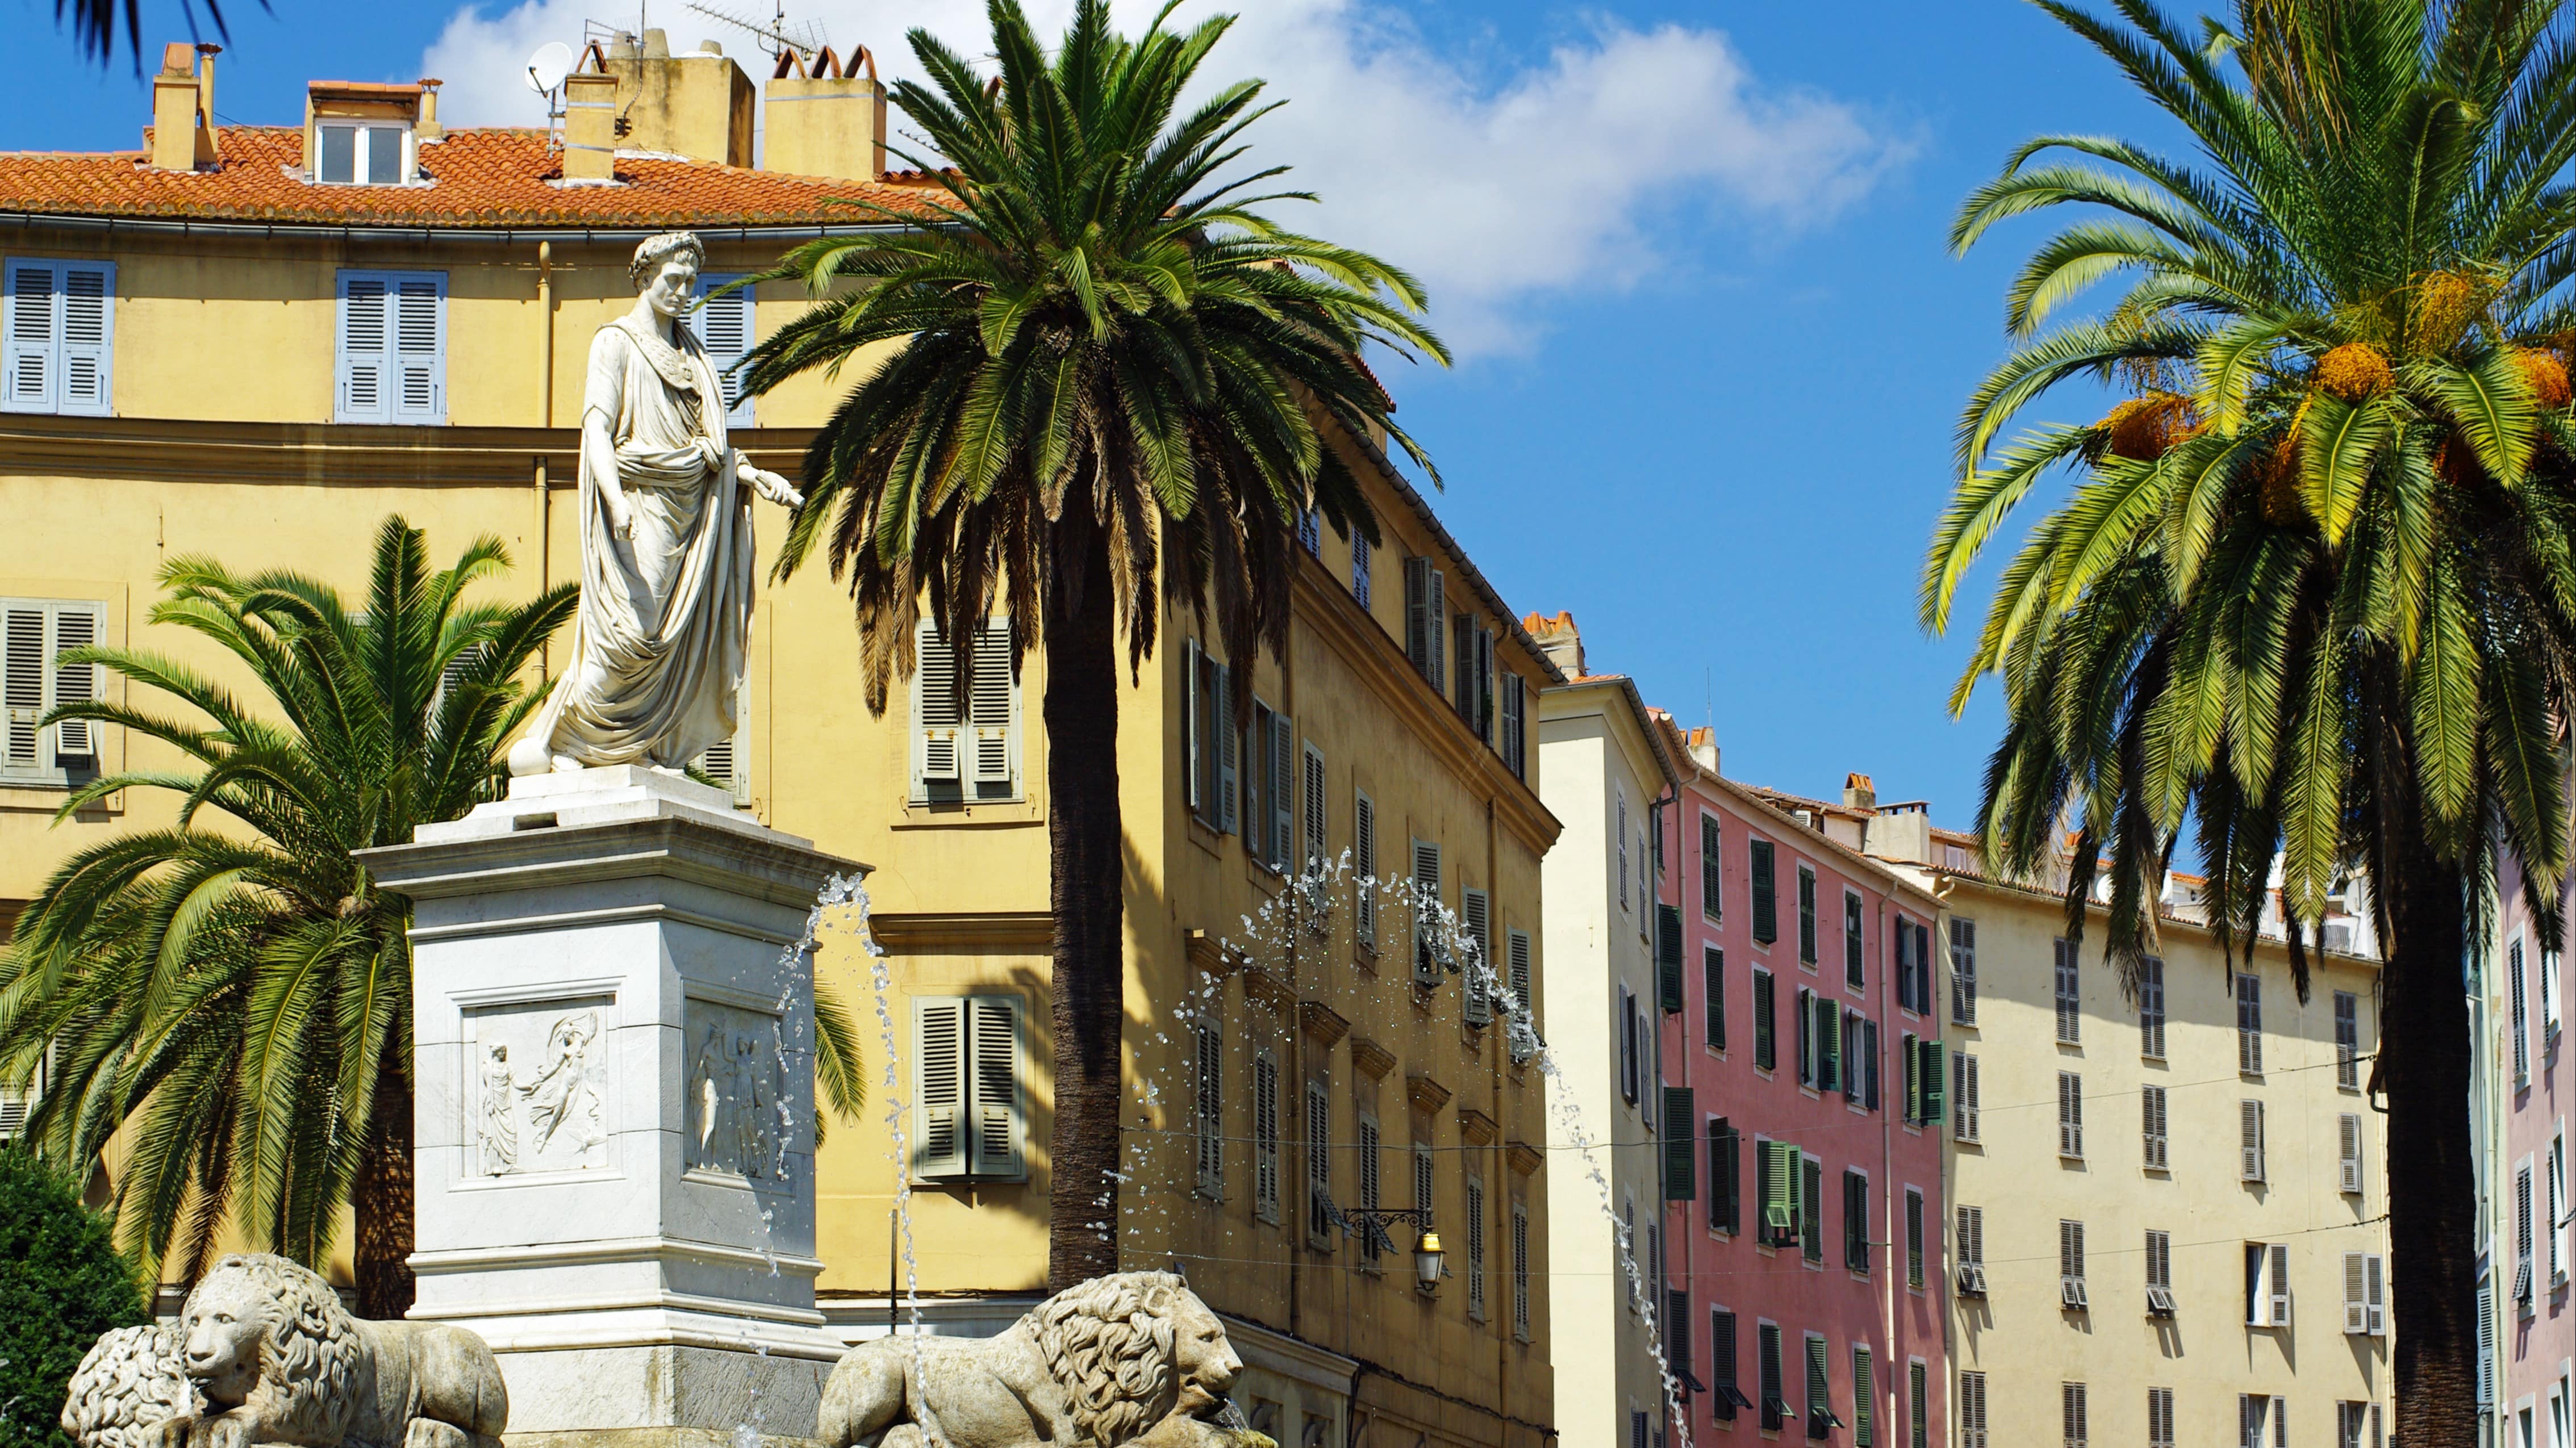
{"x": 961, "y": 814}
{"x": 18, "y": 794}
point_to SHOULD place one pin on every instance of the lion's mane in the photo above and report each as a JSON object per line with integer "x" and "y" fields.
{"x": 315, "y": 1371}
{"x": 130, "y": 1382}
{"x": 1109, "y": 1344}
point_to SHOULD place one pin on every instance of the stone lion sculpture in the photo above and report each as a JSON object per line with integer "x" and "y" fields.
{"x": 264, "y": 1353}
{"x": 1130, "y": 1358}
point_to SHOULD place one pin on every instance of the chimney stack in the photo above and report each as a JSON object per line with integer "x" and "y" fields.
{"x": 183, "y": 135}
{"x": 829, "y": 123}
{"x": 1858, "y": 792}
{"x": 1703, "y": 747}
{"x": 1560, "y": 640}
{"x": 697, "y": 105}
{"x": 427, "y": 128}
{"x": 590, "y": 125}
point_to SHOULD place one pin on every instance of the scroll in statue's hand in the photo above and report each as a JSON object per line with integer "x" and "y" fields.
{"x": 773, "y": 487}
{"x": 621, "y": 515}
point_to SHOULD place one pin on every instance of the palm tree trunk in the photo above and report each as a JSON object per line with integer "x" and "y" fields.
{"x": 1087, "y": 845}
{"x": 2424, "y": 1068}
{"x": 384, "y": 1195}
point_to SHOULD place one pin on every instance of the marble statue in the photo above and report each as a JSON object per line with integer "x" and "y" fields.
{"x": 264, "y": 1353}
{"x": 667, "y": 571}
{"x": 1133, "y": 1358}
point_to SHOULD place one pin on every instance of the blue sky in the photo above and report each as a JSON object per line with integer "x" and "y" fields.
{"x": 1692, "y": 252}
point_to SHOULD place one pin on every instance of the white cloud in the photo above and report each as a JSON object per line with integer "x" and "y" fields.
{"x": 1573, "y": 173}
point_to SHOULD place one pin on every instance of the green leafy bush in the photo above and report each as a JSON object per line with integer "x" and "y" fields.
{"x": 61, "y": 1285}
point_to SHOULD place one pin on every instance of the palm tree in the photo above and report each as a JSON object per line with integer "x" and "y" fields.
{"x": 2313, "y": 593}
{"x": 230, "y": 998}
{"x": 1111, "y": 371}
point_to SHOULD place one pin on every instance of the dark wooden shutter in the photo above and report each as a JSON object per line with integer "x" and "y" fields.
{"x": 1766, "y": 902}
{"x": 1668, "y": 956}
{"x": 1681, "y": 1140}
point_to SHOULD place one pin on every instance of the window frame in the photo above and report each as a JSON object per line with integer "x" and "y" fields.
{"x": 57, "y": 350}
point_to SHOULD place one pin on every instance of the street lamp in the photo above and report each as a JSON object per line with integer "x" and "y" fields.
{"x": 1426, "y": 1261}
{"x": 1427, "y": 1256}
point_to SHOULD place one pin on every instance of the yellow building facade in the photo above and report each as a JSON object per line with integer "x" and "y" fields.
{"x": 219, "y": 348}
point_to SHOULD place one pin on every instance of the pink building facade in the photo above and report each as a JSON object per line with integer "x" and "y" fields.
{"x": 2533, "y": 1086}
{"x": 1803, "y": 1094}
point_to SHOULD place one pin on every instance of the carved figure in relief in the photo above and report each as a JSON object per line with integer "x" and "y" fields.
{"x": 499, "y": 1117}
{"x": 565, "y": 1094}
{"x": 746, "y": 1106}
{"x": 264, "y": 1353}
{"x": 707, "y": 1103}
{"x": 1130, "y": 1358}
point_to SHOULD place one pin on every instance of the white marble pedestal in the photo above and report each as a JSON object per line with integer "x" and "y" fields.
{"x": 614, "y": 1057}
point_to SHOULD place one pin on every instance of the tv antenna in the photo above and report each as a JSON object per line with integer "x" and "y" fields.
{"x": 779, "y": 37}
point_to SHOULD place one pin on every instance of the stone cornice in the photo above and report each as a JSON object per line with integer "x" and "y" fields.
{"x": 1477, "y": 1127}
{"x": 1373, "y": 1059}
{"x": 998, "y": 932}
{"x": 1322, "y": 1022}
{"x": 315, "y": 454}
{"x": 1525, "y": 1159}
{"x": 1427, "y": 1094}
{"x": 764, "y": 866}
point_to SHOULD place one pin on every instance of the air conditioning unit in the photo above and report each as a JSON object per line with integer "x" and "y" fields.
{"x": 2070, "y": 1293}
{"x": 2160, "y": 1301}
{"x": 1972, "y": 1279}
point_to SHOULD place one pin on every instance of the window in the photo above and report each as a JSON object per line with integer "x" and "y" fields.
{"x": 725, "y": 762}
{"x": 1852, "y": 973}
{"x": 2549, "y": 1003}
{"x": 1668, "y": 958}
{"x": 2249, "y": 1140}
{"x": 1855, "y": 1221}
{"x": 1364, "y": 868}
{"x": 1913, "y": 1237}
{"x": 1918, "y": 1399}
{"x": 1924, "y": 1097}
{"x": 1426, "y": 615}
{"x": 57, "y": 344}
{"x": 34, "y": 635}
{"x": 1775, "y": 1408}
{"x": 1265, "y": 1137}
{"x": 1766, "y": 905}
{"x": 1310, "y": 532}
{"x": 1680, "y": 1125}
{"x": 1869, "y": 1065}
{"x": 1320, "y": 1211}
{"x": 1318, "y": 847}
{"x": 1208, "y": 1108}
{"x": 1523, "y": 1042}
{"x": 1474, "y": 694}
{"x": 1864, "y": 1388}
{"x": 2160, "y": 1418}
{"x": 2151, "y": 1008}
{"x": 1820, "y": 1403}
{"x": 1806, "y": 915}
{"x": 1475, "y": 1242}
{"x": 1637, "y": 1428}
{"x": 1360, "y": 567}
{"x": 1712, "y": 873}
{"x": 1964, "y": 1123}
{"x": 1372, "y": 1236}
{"x": 2357, "y": 1424}
{"x": 2070, "y": 1116}
{"x": 2070, "y": 997}
{"x": 726, "y": 325}
{"x": 1207, "y": 755}
{"x": 1811, "y": 1208}
{"x": 1848, "y": 1038}
{"x": 2070, "y": 1265}
{"x": 19, "y": 1098}
{"x": 2071, "y": 1408}
{"x": 970, "y": 1113}
{"x": 2521, "y": 1016}
{"x": 1422, "y": 1175}
{"x": 966, "y": 749}
{"x": 2151, "y": 1112}
{"x": 1766, "y": 1050}
{"x": 1520, "y": 1273}
{"x": 1972, "y": 1410}
{"x": 357, "y": 155}
{"x": 1905, "y": 968}
{"x": 1628, "y": 1046}
{"x": 392, "y": 362}
{"x": 1269, "y": 792}
{"x": 1963, "y": 971}
{"x": 1619, "y": 839}
{"x": 1476, "y": 931}
{"x": 1725, "y": 1396}
{"x": 2522, "y": 1237}
{"x": 2347, "y": 1018}
{"x": 2557, "y": 1218}
{"x": 1676, "y": 1328}
{"x": 1778, "y": 1164}
{"x": 2267, "y": 1284}
{"x": 2253, "y": 1412}
{"x": 2348, "y": 1153}
{"x": 1514, "y": 740}
{"x": 2249, "y": 1024}
{"x": 1725, "y": 1187}
{"x": 1430, "y": 947}
{"x": 1972, "y": 1250}
{"x": 1806, "y": 1015}
{"x": 2365, "y": 1294}
{"x": 2160, "y": 1301}
{"x": 1713, "y": 991}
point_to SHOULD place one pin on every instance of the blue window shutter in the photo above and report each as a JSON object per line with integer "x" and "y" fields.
{"x": 419, "y": 346}
{"x": 88, "y": 336}
{"x": 28, "y": 351}
{"x": 364, "y": 390}
{"x": 725, "y": 324}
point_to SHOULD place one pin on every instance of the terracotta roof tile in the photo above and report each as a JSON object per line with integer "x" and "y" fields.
{"x": 476, "y": 178}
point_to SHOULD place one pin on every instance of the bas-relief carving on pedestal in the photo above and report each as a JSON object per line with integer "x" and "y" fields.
{"x": 555, "y": 1120}
{"x": 734, "y": 1112}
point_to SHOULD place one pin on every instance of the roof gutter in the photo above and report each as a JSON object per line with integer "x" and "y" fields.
{"x": 306, "y": 230}
{"x": 1422, "y": 513}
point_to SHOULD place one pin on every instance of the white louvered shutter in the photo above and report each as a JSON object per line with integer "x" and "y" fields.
{"x": 420, "y": 347}
{"x": 365, "y": 345}
{"x": 2356, "y": 1315}
{"x": 2280, "y": 1284}
{"x": 2249, "y": 1140}
{"x": 75, "y": 627}
{"x": 725, "y": 325}
{"x": 88, "y": 334}
{"x": 938, "y": 745}
{"x": 939, "y": 1056}
{"x": 2374, "y": 1291}
{"x": 1964, "y": 1121}
{"x": 27, "y": 340}
{"x": 993, "y": 710}
{"x": 2349, "y": 1150}
{"x": 1000, "y": 1128}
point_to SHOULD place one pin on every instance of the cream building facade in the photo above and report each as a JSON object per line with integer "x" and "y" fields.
{"x": 256, "y": 342}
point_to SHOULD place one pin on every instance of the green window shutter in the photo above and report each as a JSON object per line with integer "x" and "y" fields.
{"x": 1668, "y": 955}
{"x": 1933, "y": 1061}
{"x": 1713, "y": 961}
{"x": 1811, "y": 1207}
{"x": 1913, "y": 1077}
{"x": 1779, "y": 1192}
{"x": 1819, "y": 1399}
{"x": 1721, "y": 1175}
{"x": 1766, "y": 902}
{"x": 1681, "y": 1142}
{"x": 1806, "y": 1037}
{"x": 1806, "y": 915}
{"x": 1766, "y": 1051}
{"x": 1829, "y": 1046}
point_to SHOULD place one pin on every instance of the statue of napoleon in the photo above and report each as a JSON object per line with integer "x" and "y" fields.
{"x": 666, "y": 559}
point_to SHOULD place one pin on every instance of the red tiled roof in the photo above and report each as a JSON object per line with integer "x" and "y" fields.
{"x": 476, "y": 178}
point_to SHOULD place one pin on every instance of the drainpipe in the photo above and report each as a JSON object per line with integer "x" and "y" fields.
{"x": 1892, "y": 1197}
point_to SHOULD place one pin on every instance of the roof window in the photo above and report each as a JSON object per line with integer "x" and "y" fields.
{"x": 356, "y": 155}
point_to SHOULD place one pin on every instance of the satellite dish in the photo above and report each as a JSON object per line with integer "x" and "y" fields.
{"x": 548, "y": 67}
